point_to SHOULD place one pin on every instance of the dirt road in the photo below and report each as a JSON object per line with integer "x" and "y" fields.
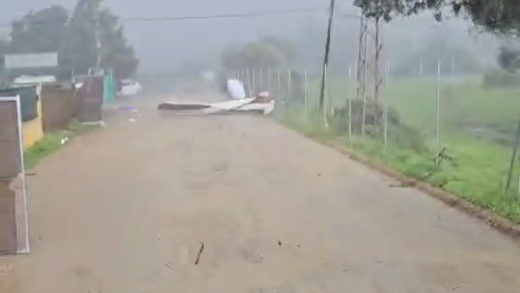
{"x": 125, "y": 209}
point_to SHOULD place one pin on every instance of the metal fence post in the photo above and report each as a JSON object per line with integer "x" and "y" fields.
{"x": 385, "y": 114}
{"x": 260, "y": 79}
{"x": 253, "y": 79}
{"x": 306, "y": 92}
{"x": 280, "y": 94}
{"x": 249, "y": 89}
{"x": 518, "y": 186}
{"x": 438, "y": 111}
{"x": 364, "y": 110}
{"x": 325, "y": 98}
{"x": 289, "y": 92}
{"x": 349, "y": 103}
{"x": 269, "y": 80}
{"x": 513, "y": 158}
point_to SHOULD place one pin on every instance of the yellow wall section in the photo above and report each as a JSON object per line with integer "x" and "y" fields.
{"x": 33, "y": 130}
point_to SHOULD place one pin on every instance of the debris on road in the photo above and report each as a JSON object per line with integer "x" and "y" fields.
{"x": 267, "y": 191}
{"x": 439, "y": 158}
{"x": 168, "y": 266}
{"x": 235, "y": 89}
{"x": 201, "y": 249}
{"x": 261, "y": 104}
{"x": 128, "y": 109}
{"x": 220, "y": 167}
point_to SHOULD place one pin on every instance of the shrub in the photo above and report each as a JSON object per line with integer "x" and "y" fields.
{"x": 401, "y": 134}
{"x": 500, "y": 78}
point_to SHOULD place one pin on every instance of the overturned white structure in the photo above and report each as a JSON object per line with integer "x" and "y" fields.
{"x": 261, "y": 104}
{"x": 235, "y": 89}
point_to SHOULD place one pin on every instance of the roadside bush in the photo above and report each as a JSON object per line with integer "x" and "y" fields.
{"x": 500, "y": 78}
{"x": 399, "y": 133}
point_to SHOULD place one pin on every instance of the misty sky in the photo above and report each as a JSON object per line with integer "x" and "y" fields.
{"x": 159, "y": 43}
{"x": 164, "y": 45}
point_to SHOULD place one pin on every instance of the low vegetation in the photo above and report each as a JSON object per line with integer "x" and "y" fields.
{"x": 476, "y": 126}
{"x": 50, "y": 143}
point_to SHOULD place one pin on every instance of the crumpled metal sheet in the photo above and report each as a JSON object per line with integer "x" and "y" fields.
{"x": 261, "y": 104}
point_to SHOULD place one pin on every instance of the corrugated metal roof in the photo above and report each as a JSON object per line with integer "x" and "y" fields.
{"x": 31, "y": 80}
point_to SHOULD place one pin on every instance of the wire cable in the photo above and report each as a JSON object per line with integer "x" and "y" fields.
{"x": 199, "y": 17}
{"x": 235, "y": 15}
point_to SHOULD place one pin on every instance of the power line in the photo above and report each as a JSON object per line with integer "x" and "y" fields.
{"x": 348, "y": 15}
{"x": 202, "y": 17}
{"x": 236, "y": 15}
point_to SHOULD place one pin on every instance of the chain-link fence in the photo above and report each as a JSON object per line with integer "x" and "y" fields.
{"x": 287, "y": 86}
{"x": 454, "y": 131}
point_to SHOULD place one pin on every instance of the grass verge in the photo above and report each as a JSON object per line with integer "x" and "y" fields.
{"x": 475, "y": 177}
{"x": 50, "y": 143}
{"x": 476, "y": 125}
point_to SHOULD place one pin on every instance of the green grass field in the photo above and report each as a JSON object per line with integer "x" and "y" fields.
{"x": 477, "y": 126}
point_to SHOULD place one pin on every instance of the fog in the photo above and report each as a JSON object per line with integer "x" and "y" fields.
{"x": 164, "y": 45}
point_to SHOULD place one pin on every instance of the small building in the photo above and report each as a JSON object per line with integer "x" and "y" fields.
{"x": 31, "y": 110}
{"x": 26, "y": 80}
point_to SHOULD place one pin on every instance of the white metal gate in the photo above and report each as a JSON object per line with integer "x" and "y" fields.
{"x": 13, "y": 196}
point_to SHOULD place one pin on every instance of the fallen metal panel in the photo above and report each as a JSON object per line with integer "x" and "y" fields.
{"x": 261, "y": 104}
{"x": 215, "y": 109}
{"x": 181, "y": 107}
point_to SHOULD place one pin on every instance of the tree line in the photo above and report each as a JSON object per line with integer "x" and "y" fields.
{"x": 72, "y": 34}
{"x": 501, "y": 17}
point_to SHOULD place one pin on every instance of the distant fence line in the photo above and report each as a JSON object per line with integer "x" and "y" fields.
{"x": 418, "y": 117}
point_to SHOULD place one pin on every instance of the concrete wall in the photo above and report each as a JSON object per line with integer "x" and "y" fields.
{"x": 10, "y": 167}
{"x": 33, "y": 130}
{"x": 59, "y": 107}
{"x": 9, "y": 140}
{"x": 8, "y": 237}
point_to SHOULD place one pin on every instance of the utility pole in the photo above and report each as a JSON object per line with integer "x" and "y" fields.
{"x": 378, "y": 80}
{"x": 362, "y": 70}
{"x": 362, "y": 58}
{"x": 513, "y": 158}
{"x": 370, "y": 48}
{"x": 369, "y": 73}
{"x": 326, "y": 57}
